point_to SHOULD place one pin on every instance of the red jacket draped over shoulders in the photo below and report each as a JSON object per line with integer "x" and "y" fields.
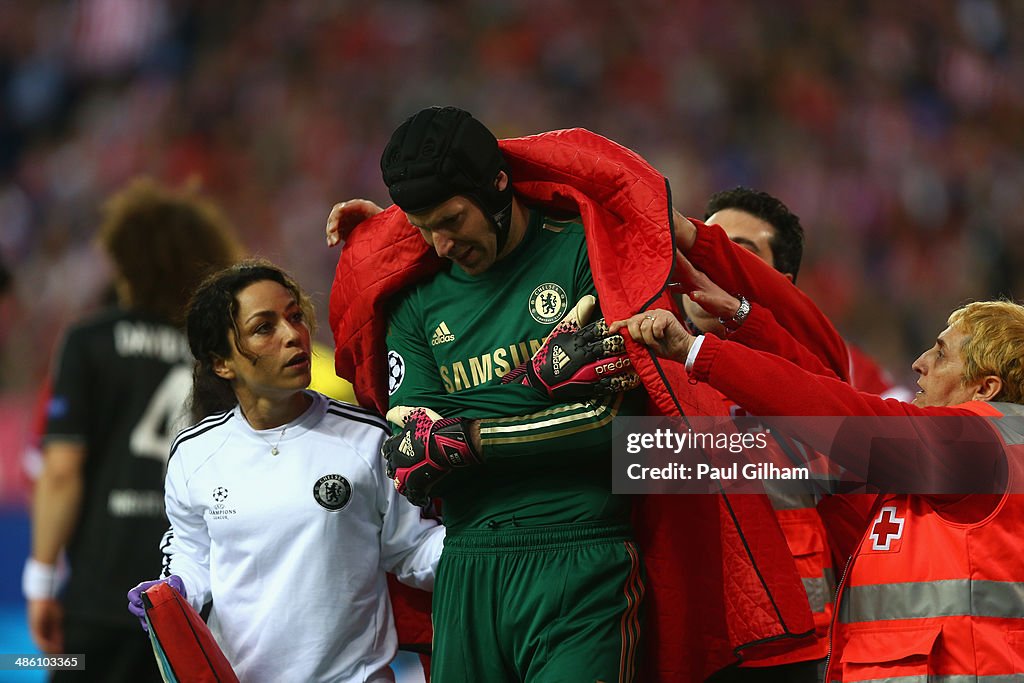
{"x": 721, "y": 579}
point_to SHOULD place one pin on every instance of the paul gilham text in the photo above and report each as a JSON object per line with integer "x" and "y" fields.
{"x": 750, "y": 471}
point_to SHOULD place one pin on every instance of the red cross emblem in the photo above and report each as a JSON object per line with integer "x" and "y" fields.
{"x": 886, "y": 529}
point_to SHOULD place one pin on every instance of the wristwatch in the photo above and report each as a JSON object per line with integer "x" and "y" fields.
{"x": 732, "y": 324}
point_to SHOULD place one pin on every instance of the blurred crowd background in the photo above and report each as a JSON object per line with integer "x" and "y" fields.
{"x": 894, "y": 129}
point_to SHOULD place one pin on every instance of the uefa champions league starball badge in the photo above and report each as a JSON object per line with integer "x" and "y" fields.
{"x": 396, "y": 371}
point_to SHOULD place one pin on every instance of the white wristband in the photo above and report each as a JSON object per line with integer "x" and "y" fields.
{"x": 691, "y": 357}
{"x": 39, "y": 581}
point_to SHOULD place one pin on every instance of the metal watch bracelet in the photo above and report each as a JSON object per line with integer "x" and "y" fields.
{"x": 732, "y": 324}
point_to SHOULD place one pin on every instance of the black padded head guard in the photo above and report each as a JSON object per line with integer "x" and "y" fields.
{"x": 441, "y": 152}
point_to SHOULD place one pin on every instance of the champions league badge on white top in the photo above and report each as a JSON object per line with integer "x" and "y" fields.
{"x": 219, "y": 510}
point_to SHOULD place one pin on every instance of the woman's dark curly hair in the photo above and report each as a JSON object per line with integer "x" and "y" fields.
{"x": 163, "y": 242}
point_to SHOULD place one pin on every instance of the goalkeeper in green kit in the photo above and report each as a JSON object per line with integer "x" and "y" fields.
{"x": 503, "y": 382}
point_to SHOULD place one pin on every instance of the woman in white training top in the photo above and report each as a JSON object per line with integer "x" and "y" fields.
{"x": 280, "y": 510}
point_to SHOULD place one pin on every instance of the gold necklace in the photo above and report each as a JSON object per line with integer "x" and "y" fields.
{"x": 274, "y": 447}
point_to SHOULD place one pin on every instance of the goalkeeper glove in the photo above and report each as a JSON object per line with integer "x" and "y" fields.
{"x": 425, "y": 451}
{"x": 578, "y": 363}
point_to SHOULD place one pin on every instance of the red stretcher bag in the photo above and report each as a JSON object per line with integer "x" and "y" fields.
{"x": 185, "y": 650}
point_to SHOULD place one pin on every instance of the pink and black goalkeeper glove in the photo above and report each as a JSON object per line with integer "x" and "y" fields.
{"x": 138, "y": 608}
{"x": 426, "y": 450}
{"x": 578, "y": 363}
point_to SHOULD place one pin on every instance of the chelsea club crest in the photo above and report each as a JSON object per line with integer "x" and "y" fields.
{"x": 332, "y": 492}
{"x": 548, "y": 303}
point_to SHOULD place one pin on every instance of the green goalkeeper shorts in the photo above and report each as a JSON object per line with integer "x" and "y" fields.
{"x": 538, "y": 605}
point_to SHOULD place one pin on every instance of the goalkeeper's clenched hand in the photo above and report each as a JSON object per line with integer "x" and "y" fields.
{"x": 426, "y": 450}
{"x": 578, "y": 363}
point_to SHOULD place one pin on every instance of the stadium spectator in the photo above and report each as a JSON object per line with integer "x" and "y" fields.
{"x": 280, "y": 514}
{"x": 6, "y": 302}
{"x": 933, "y": 587}
{"x": 120, "y": 382}
{"x": 5, "y": 278}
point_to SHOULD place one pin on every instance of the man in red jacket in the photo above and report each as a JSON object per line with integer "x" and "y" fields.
{"x": 935, "y": 585}
{"x": 764, "y": 225}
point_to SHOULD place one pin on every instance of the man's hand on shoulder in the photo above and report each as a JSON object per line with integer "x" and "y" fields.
{"x": 345, "y": 216}
{"x": 427, "y": 449}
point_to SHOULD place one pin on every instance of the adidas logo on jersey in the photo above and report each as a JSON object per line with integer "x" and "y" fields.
{"x": 442, "y": 335}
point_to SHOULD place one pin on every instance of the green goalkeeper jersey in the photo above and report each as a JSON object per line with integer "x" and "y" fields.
{"x": 450, "y": 342}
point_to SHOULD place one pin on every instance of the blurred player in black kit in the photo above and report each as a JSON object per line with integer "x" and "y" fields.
{"x": 120, "y": 387}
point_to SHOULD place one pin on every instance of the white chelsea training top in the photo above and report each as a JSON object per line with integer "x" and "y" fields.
{"x": 292, "y": 548}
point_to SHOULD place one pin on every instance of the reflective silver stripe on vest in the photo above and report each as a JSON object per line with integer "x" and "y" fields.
{"x": 1008, "y": 409}
{"x": 820, "y": 590}
{"x": 830, "y": 580}
{"x": 1011, "y": 425}
{"x": 950, "y": 678}
{"x": 1011, "y": 429}
{"x": 816, "y": 592}
{"x": 918, "y": 600}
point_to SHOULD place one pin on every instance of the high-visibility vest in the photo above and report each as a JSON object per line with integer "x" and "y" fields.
{"x": 926, "y": 599}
